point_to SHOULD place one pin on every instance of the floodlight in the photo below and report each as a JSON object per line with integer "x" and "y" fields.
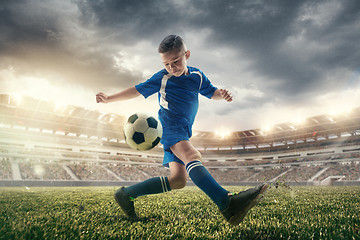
{"x": 265, "y": 130}
{"x": 17, "y": 99}
{"x": 223, "y": 133}
{"x": 298, "y": 121}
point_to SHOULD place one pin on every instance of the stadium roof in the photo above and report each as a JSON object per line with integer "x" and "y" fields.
{"x": 34, "y": 113}
{"x": 314, "y": 128}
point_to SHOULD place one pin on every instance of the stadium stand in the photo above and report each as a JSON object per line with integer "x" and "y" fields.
{"x": 5, "y": 168}
{"x": 41, "y": 142}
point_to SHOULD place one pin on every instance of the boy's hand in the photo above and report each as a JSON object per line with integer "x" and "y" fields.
{"x": 225, "y": 94}
{"x": 102, "y": 98}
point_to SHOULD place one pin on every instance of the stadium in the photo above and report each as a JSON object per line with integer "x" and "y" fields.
{"x": 60, "y": 166}
{"x": 44, "y": 144}
{"x": 68, "y": 164}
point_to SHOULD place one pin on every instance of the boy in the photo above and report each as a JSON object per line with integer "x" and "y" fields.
{"x": 178, "y": 86}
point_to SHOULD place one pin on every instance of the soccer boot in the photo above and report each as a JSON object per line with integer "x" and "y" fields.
{"x": 126, "y": 204}
{"x": 240, "y": 203}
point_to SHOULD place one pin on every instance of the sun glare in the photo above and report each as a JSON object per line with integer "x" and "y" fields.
{"x": 339, "y": 110}
{"x": 17, "y": 99}
{"x": 298, "y": 121}
{"x": 265, "y": 130}
{"x": 223, "y": 133}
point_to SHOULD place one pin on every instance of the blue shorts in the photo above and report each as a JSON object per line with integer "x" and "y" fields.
{"x": 171, "y": 136}
{"x": 169, "y": 157}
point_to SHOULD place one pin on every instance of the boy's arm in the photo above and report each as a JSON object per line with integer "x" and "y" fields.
{"x": 128, "y": 93}
{"x": 222, "y": 94}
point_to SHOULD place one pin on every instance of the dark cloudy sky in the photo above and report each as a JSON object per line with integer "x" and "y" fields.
{"x": 283, "y": 60}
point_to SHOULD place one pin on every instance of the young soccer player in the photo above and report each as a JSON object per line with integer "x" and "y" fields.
{"x": 178, "y": 87}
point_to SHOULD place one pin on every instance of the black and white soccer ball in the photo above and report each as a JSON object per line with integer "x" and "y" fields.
{"x": 142, "y": 131}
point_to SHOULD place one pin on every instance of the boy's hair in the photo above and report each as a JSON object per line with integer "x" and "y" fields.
{"x": 171, "y": 42}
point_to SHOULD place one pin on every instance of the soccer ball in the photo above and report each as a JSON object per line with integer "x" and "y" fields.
{"x": 142, "y": 131}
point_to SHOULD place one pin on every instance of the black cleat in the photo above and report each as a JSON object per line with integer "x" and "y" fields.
{"x": 126, "y": 204}
{"x": 241, "y": 203}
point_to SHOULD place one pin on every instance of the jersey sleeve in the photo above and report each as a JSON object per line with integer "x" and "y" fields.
{"x": 150, "y": 86}
{"x": 206, "y": 88}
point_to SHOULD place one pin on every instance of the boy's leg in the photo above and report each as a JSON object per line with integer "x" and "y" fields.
{"x": 233, "y": 207}
{"x": 125, "y": 196}
{"x": 185, "y": 151}
{"x": 178, "y": 175}
{"x": 150, "y": 186}
{"x": 176, "y": 180}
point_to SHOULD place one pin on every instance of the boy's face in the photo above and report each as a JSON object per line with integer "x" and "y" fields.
{"x": 175, "y": 62}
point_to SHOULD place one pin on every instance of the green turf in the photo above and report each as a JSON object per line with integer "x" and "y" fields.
{"x": 91, "y": 213}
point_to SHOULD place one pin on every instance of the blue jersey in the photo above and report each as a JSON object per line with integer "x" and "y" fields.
{"x": 178, "y": 96}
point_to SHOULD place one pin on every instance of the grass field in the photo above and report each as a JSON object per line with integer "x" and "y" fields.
{"x": 91, "y": 213}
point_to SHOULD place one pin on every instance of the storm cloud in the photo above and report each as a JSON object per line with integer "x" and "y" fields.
{"x": 270, "y": 54}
